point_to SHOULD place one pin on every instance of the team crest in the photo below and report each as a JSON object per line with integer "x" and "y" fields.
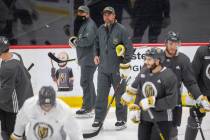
{"x": 149, "y": 89}
{"x": 208, "y": 72}
{"x": 62, "y": 77}
{"x": 43, "y": 131}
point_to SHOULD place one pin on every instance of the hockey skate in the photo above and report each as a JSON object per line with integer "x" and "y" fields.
{"x": 119, "y": 125}
{"x": 96, "y": 125}
{"x": 84, "y": 113}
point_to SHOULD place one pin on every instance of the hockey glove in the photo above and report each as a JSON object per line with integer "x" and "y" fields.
{"x": 128, "y": 96}
{"x": 125, "y": 70}
{"x": 120, "y": 50}
{"x": 72, "y": 41}
{"x": 203, "y": 101}
{"x": 187, "y": 100}
{"x": 15, "y": 137}
{"x": 147, "y": 103}
{"x": 134, "y": 113}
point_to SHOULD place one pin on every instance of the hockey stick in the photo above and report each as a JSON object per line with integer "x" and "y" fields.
{"x": 155, "y": 123}
{"x": 51, "y": 60}
{"x": 199, "y": 124}
{"x": 53, "y": 68}
{"x": 95, "y": 133}
{"x": 53, "y": 57}
{"x": 31, "y": 66}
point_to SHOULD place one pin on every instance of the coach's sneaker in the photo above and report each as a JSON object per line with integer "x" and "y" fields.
{"x": 96, "y": 124}
{"x": 119, "y": 125}
{"x": 84, "y": 113}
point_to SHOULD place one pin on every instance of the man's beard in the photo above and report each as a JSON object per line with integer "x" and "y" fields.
{"x": 171, "y": 54}
{"x": 153, "y": 66}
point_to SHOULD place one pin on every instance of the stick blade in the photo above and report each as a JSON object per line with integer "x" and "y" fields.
{"x": 31, "y": 66}
{"x": 52, "y": 56}
{"x": 92, "y": 134}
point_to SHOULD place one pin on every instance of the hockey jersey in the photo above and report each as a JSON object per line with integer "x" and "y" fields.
{"x": 201, "y": 67}
{"x": 15, "y": 84}
{"x": 57, "y": 124}
{"x": 62, "y": 76}
{"x": 181, "y": 66}
{"x": 163, "y": 86}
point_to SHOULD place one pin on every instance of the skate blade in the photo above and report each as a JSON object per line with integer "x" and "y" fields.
{"x": 118, "y": 128}
{"x": 96, "y": 128}
{"x": 88, "y": 115}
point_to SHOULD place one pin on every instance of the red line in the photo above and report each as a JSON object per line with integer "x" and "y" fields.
{"x": 136, "y": 45}
{"x": 39, "y": 46}
{"x": 162, "y": 44}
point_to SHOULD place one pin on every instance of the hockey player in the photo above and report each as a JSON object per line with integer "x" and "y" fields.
{"x": 84, "y": 42}
{"x": 201, "y": 67}
{"x": 47, "y": 118}
{"x": 15, "y": 87}
{"x": 181, "y": 66}
{"x": 156, "y": 90}
{"x": 109, "y": 37}
{"x": 64, "y": 75}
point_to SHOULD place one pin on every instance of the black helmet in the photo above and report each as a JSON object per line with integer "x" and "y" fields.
{"x": 173, "y": 36}
{"x": 47, "y": 95}
{"x": 4, "y": 44}
{"x": 156, "y": 53}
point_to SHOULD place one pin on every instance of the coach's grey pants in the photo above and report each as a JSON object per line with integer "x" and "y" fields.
{"x": 103, "y": 88}
{"x": 86, "y": 82}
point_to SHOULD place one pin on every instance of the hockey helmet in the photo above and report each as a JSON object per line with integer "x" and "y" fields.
{"x": 64, "y": 57}
{"x": 156, "y": 53}
{"x": 47, "y": 95}
{"x": 173, "y": 36}
{"x": 4, "y": 44}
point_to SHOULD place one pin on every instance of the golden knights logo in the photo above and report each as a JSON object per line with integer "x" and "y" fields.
{"x": 208, "y": 72}
{"x": 149, "y": 89}
{"x": 42, "y": 131}
{"x": 62, "y": 77}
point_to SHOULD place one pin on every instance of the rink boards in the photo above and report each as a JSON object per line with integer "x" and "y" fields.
{"x": 41, "y": 75}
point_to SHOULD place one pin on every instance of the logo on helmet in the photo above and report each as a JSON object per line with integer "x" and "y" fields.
{"x": 173, "y": 36}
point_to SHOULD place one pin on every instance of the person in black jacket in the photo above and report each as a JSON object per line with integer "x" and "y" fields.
{"x": 111, "y": 68}
{"x": 181, "y": 66}
{"x": 15, "y": 87}
{"x": 85, "y": 34}
{"x": 152, "y": 14}
{"x": 201, "y": 67}
{"x": 156, "y": 91}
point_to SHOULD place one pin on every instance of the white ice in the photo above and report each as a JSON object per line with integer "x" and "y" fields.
{"x": 130, "y": 133}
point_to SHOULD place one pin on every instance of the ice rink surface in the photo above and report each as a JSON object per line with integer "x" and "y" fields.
{"x": 130, "y": 133}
